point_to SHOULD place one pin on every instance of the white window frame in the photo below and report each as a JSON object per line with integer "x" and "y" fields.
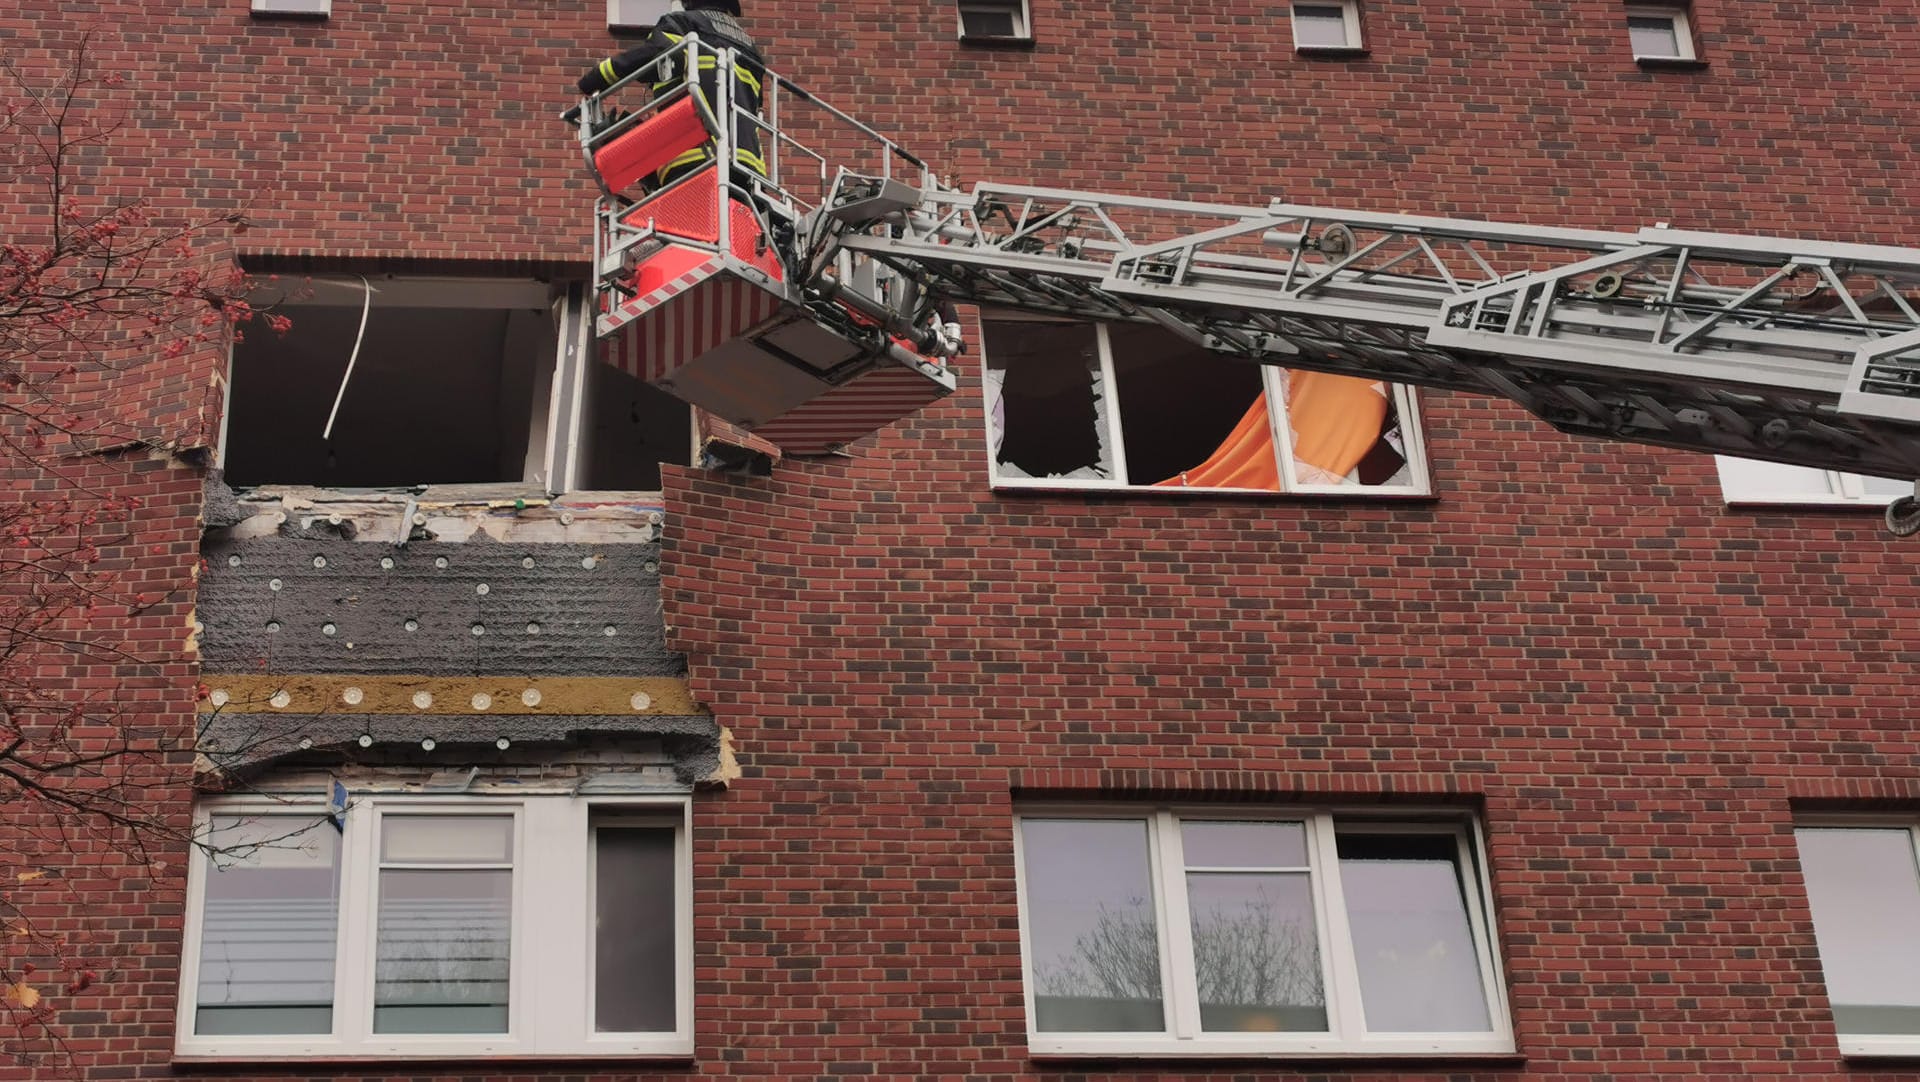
{"x": 1346, "y": 1028}
{"x": 1682, "y": 29}
{"x": 1019, "y": 9}
{"x": 1350, "y": 12}
{"x": 617, "y": 19}
{"x": 1843, "y": 489}
{"x": 550, "y": 1009}
{"x": 1406, "y": 408}
{"x": 314, "y": 8}
{"x": 1868, "y": 1045}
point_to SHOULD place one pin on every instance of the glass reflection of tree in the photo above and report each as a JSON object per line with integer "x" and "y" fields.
{"x": 1251, "y": 954}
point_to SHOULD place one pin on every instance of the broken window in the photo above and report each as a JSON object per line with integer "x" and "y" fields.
{"x": 395, "y": 382}
{"x": 1134, "y": 405}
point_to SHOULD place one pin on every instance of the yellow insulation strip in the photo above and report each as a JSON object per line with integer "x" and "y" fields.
{"x": 308, "y": 693}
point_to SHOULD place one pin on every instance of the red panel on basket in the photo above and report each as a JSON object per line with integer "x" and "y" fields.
{"x": 690, "y": 208}
{"x": 857, "y": 408}
{"x": 744, "y": 234}
{"x": 665, "y": 265}
{"x": 650, "y": 145}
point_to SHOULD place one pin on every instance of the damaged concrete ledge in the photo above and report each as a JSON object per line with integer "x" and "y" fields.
{"x": 517, "y": 513}
{"x": 691, "y": 749}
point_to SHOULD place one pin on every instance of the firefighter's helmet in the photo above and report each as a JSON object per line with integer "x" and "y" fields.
{"x": 731, "y": 7}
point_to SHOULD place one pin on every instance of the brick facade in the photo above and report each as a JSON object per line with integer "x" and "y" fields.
{"x": 1635, "y": 686}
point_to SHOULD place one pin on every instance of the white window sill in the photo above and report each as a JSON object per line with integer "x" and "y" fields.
{"x": 1059, "y": 484}
{"x": 1671, "y": 63}
{"x": 1870, "y": 1052}
{"x": 1830, "y": 503}
{"x": 290, "y": 1051}
{"x": 1042, "y": 1047}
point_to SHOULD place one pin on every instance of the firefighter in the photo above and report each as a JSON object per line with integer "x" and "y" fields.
{"x": 717, "y": 22}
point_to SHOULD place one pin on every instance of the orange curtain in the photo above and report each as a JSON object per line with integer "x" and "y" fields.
{"x": 1336, "y": 420}
{"x": 1244, "y": 460}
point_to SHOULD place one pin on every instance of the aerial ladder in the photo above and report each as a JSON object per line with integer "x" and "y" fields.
{"x": 813, "y": 305}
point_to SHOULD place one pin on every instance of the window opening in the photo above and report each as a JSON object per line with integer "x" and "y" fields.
{"x": 634, "y": 926}
{"x": 445, "y": 916}
{"x": 1863, "y": 885}
{"x": 994, "y": 20}
{"x": 477, "y": 925}
{"x": 453, "y": 383}
{"x": 1157, "y": 932}
{"x": 270, "y": 918}
{"x": 1659, "y": 33}
{"x": 1130, "y": 405}
{"x": 1747, "y": 480}
{"x": 1326, "y": 26}
{"x": 635, "y": 14}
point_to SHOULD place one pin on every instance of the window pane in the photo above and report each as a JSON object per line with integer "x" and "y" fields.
{"x": 1752, "y": 479}
{"x": 1319, "y": 24}
{"x": 1344, "y": 431}
{"x": 1185, "y": 411}
{"x": 1243, "y": 845}
{"x": 1046, "y": 406}
{"x": 1092, "y": 928}
{"x": 441, "y": 961}
{"x": 269, "y": 927}
{"x": 633, "y": 952}
{"x": 1864, "y": 890}
{"x": 1885, "y": 486}
{"x": 1653, "y": 35}
{"x": 1412, "y": 938}
{"x": 446, "y": 839}
{"x": 1256, "y": 953}
{"x": 632, "y": 13}
{"x": 990, "y": 21}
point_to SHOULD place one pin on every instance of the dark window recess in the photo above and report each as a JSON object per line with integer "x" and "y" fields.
{"x": 442, "y": 392}
{"x": 438, "y": 395}
{"x": 630, "y": 428}
{"x": 1050, "y": 423}
{"x": 1005, "y": 22}
{"x": 634, "y": 951}
{"x": 1178, "y": 402}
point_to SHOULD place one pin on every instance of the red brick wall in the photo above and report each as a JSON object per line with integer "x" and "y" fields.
{"x": 1633, "y": 682}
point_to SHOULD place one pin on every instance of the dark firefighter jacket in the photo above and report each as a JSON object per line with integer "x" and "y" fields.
{"x": 716, "y": 29}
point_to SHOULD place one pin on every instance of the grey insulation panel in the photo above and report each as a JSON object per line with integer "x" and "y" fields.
{"x": 284, "y": 605}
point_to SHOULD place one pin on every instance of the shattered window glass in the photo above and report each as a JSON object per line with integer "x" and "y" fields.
{"x": 1047, "y": 402}
{"x": 1137, "y": 405}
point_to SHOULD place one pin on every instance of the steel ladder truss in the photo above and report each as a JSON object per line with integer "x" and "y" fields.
{"x": 1794, "y": 351}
